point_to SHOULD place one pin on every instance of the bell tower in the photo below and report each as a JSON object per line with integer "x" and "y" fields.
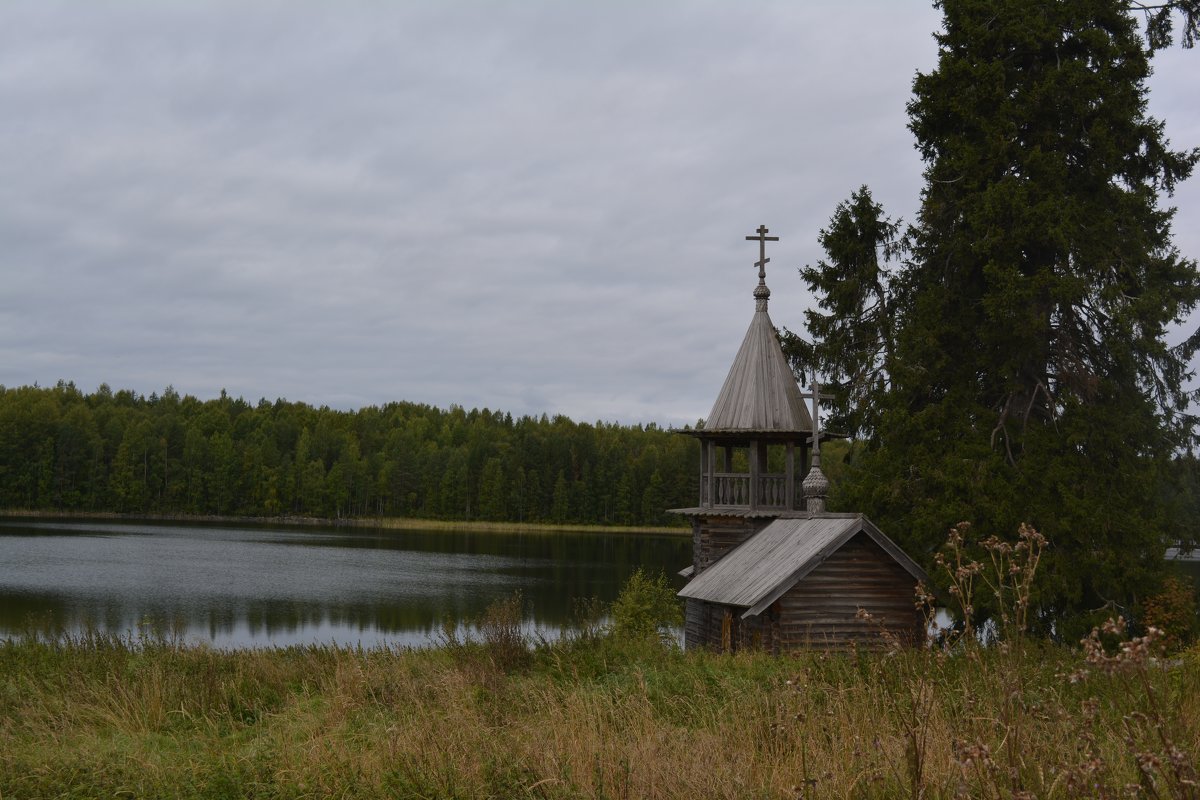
{"x": 755, "y": 442}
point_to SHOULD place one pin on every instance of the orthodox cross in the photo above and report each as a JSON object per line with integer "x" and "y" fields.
{"x": 762, "y": 240}
{"x": 816, "y": 395}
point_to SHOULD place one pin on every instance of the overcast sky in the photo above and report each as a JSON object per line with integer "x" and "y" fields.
{"x": 530, "y": 206}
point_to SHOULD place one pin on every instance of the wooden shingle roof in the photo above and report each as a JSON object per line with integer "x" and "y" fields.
{"x": 760, "y": 393}
{"x": 759, "y": 571}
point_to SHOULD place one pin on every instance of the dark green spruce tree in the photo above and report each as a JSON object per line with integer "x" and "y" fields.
{"x": 856, "y": 321}
{"x": 1014, "y": 367}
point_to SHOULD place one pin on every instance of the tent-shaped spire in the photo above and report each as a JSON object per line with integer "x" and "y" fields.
{"x": 760, "y": 393}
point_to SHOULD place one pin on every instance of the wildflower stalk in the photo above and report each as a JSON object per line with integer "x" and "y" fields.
{"x": 1137, "y": 667}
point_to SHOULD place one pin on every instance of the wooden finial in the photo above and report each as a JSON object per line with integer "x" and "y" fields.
{"x": 816, "y": 485}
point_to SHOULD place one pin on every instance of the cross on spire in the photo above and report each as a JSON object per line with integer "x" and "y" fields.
{"x": 762, "y": 240}
{"x": 816, "y": 395}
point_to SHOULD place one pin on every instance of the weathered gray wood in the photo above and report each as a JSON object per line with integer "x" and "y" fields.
{"x": 762, "y": 513}
{"x": 760, "y": 570}
{"x": 754, "y": 465}
{"x": 713, "y": 537}
{"x": 757, "y": 566}
{"x": 760, "y": 392}
{"x": 710, "y": 466}
{"x": 821, "y": 610}
{"x": 790, "y": 476}
{"x": 824, "y": 606}
{"x": 865, "y": 527}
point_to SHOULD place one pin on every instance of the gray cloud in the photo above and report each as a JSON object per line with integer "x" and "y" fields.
{"x": 531, "y": 206}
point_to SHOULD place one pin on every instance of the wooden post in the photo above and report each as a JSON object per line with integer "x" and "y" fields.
{"x": 753, "y": 459}
{"x": 712, "y": 463}
{"x": 790, "y": 480}
{"x": 764, "y": 495}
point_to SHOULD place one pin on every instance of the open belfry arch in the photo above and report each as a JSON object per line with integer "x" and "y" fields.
{"x": 771, "y": 567}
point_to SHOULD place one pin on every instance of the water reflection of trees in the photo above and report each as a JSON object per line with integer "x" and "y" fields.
{"x": 552, "y": 571}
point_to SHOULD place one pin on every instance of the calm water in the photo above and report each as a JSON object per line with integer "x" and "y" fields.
{"x": 253, "y": 586}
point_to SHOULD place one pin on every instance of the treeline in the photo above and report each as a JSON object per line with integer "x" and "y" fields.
{"x": 61, "y": 449}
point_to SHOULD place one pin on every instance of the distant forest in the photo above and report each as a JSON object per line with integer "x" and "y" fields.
{"x": 61, "y": 449}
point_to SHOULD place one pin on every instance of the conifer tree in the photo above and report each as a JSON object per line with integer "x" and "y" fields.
{"x": 1023, "y": 371}
{"x": 855, "y": 325}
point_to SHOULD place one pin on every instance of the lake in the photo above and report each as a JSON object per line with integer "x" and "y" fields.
{"x": 247, "y": 585}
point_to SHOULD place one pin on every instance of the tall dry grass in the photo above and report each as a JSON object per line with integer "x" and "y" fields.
{"x": 102, "y": 717}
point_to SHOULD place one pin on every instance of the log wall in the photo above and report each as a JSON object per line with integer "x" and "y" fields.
{"x": 713, "y": 537}
{"x": 821, "y": 610}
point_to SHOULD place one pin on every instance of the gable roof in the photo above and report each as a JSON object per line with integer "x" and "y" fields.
{"x": 757, "y": 572}
{"x": 760, "y": 392}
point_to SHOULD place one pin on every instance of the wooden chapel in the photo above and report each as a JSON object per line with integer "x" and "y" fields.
{"x": 771, "y": 568}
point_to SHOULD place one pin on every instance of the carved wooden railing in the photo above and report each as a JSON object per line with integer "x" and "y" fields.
{"x": 733, "y": 489}
{"x": 772, "y": 490}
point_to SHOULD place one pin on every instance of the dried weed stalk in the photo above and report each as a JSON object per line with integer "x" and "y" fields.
{"x": 1164, "y": 769}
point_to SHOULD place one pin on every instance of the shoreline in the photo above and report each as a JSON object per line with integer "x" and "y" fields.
{"x": 381, "y": 523}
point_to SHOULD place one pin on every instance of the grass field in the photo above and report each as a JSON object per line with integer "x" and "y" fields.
{"x": 590, "y": 716}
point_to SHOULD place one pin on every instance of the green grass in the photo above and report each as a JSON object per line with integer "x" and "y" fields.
{"x": 587, "y": 717}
